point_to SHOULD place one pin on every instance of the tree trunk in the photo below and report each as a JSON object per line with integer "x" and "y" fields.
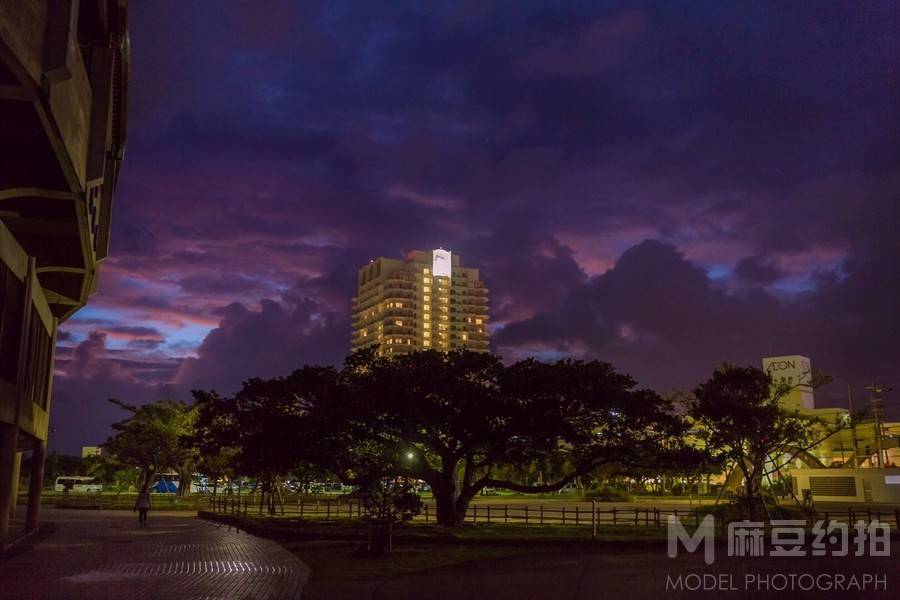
{"x": 752, "y": 491}
{"x": 147, "y": 478}
{"x": 184, "y": 485}
{"x": 451, "y": 502}
{"x": 446, "y": 493}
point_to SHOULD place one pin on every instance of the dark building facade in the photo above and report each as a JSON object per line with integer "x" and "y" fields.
{"x": 63, "y": 93}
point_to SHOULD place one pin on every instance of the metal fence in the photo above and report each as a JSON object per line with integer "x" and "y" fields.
{"x": 594, "y": 514}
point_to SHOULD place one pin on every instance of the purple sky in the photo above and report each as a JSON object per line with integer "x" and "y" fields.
{"x": 662, "y": 187}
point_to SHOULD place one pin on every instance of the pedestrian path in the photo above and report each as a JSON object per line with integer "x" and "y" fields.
{"x": 16, "y": 530}
{"x": 105, "y": 554}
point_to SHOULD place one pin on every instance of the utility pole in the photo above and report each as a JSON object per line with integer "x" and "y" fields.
{"x": 875, "y": 392}
{"x": 853, "y": 427}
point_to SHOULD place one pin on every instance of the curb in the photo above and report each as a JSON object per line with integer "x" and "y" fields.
{"x": 24, "y": 542}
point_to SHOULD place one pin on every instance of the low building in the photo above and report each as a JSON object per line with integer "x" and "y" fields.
{"x": 849, "y": 485}
{"x": 88, "y": 451}
{"x": 848, "y": 465}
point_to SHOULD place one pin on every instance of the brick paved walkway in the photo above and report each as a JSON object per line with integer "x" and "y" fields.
{"x": 104, "y": 554}
{"x": 16, "y": 529}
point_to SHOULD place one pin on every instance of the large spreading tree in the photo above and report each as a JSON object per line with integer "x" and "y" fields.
{"x": 456, "y": 419}
{"x": 460, "y": 421}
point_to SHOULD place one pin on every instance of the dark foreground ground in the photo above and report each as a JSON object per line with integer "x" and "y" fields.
{"x": 650, "y": 573}
{"x": 594, "y": 576}
{"x": 104, "y": 554}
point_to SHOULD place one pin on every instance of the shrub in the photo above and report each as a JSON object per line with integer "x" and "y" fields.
{"x": 387, "y": 503}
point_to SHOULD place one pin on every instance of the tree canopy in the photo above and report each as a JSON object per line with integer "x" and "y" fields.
{"x": 153, "y": 438}
{"x": 740, "y": 418}
{"x": 454, "y": 420}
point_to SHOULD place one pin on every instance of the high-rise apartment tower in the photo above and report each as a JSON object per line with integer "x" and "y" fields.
{"x": 426, "y": 302}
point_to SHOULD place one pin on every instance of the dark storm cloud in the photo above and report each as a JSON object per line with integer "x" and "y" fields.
{"x": 755, "y": 270}
{"x": 134, "y": 331}
{"x": 512, "y": 261}
{"x": 272, "y": 341}
{"x": 87, "y": 376}
{"x": 273, "y": 151}
{"x": 662, "y": 318}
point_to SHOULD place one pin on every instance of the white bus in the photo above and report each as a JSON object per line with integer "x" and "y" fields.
{"x": 77, "y": 484}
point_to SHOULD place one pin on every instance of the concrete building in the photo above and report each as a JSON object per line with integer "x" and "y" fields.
{"x": 796, "y": 372}
{"x": 428, "y": 301}
{"x": 88, "y": 451}
{"x": 835, "y": 484}
{"x": 868, "y": 444}
{"x": 63, "y": 91}
{"x": 848, "y": 465}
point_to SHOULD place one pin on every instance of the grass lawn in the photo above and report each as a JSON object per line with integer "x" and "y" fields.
{"x": 419, "y": 547}
{"x": 329, "y": 506}
{"x": 328, "y": 546}
{"x": 286, "y": 527}
{"x": 123, "y": 501}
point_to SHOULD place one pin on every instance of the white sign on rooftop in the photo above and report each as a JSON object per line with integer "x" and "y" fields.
{"x": 440, "y": 263}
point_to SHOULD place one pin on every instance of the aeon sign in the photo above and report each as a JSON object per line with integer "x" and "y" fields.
{"x": 793, "y": 369}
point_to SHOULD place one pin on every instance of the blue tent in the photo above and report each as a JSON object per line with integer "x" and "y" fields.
{"x": 165, "y": 486}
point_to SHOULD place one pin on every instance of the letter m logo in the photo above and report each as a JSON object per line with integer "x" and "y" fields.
{"x": 705, "y": 533}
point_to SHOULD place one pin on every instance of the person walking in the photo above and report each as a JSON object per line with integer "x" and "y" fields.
{"x": 142, "y": 505}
